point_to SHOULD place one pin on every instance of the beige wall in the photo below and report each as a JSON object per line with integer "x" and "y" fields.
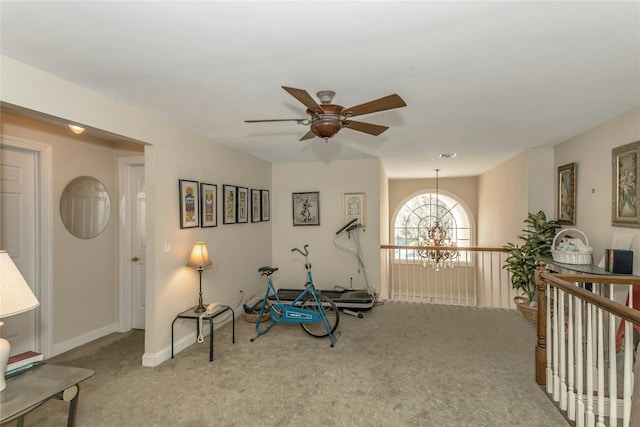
{"x": 591, "y": 151}
{"x": 503, "y": 202}
{"x": 331, "y": 265}
{"x": 83, "y": 269}
{"x": 466, "y": 189}
{"x": 172, "y": 154}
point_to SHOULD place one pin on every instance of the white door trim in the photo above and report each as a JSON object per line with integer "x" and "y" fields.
{"x": 44, "y": 236}
{"x": 124, "y": 238}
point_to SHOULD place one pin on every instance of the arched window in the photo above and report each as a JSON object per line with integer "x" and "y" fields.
{"x": 414, "y": 219}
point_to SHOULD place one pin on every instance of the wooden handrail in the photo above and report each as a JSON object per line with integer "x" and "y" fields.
{"x": 615, "y": 308}
{"x": 562, "y": 281}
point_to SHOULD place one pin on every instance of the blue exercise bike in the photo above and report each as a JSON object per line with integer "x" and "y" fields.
{"x": 316, "y": 313}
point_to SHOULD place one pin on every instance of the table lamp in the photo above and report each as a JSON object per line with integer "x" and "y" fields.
{"x": 15, "y": 297}
{"x": 199, "y": 259}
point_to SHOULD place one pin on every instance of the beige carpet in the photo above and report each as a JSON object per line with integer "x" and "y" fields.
{"x": 403, "y": 364}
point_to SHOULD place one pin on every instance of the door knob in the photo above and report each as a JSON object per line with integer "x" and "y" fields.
{"x": 135, "y": 259}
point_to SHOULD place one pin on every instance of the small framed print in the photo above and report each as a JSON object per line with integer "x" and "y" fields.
{"x": 626, "y": 188}
{"x": 189, "y": 217}
{"x": 265, "y": 205}
{"x": 256, "y": 213}
{"x": 243, "y": 204}
{"x": 229, "y": 203}
{"x": 567, "y": 194}
{"x": 353, "y": 205}
{"x": 208, "y": 205}
{"x": 306, "y": 208}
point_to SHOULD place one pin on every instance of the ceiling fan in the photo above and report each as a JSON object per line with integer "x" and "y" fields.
{"x": 326, "y": 119}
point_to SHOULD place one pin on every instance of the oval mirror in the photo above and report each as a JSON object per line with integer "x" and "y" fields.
{"x": 85, "y": 207}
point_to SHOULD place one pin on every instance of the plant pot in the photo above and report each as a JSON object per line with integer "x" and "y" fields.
{"x": 529, "y": 313}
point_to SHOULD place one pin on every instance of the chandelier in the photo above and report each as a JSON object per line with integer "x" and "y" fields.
{"x": 442, "y": 250}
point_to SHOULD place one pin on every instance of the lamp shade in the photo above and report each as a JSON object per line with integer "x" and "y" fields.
{"x": 15, "y": 294}
{"x": 199, "y": 257}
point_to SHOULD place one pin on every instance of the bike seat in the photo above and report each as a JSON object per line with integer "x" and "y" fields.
{"x": 266, "y": 270}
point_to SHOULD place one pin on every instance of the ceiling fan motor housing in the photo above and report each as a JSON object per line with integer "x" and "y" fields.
{"x": 326, "y": 124}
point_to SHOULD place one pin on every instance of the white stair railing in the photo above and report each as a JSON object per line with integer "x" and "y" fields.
{"x": 585, "y": 334}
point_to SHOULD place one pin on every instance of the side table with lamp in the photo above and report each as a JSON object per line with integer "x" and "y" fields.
{"x": 199, "y": 259}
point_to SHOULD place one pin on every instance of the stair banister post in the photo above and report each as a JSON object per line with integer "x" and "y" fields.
{"x": 541, "y": 345}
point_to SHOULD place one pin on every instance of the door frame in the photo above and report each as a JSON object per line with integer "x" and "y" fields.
{"x": 44, "y": 236}
{"x": 126, "y": 198}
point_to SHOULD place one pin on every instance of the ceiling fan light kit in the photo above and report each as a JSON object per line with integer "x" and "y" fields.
{"x": 327, "y": 119}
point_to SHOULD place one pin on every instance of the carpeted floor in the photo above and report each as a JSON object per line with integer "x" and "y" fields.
{"x": 403, "y": 364}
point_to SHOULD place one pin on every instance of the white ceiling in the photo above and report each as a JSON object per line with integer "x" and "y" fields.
{"x": 482, "y": 79}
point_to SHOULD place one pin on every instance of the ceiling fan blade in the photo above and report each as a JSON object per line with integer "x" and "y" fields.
{"x": 308, "y": 135}
{"x": 304, "y": 97}
{"x": 274, "y": 120}
{"x": 381, "y": 104}
{"x": 369, "y": 128}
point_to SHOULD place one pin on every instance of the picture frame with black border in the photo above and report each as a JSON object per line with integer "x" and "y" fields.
{"x": 229, "y": 203}
{"x": 189, "y": 203}
{"x": 265, "y": 205}
{"x": 306, "y": 208}
{"x": 256, "y": 213}
{"x": 243, "y": 204}
{"x": 208, "y": 205}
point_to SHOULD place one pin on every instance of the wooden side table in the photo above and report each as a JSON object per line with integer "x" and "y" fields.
{"x": 191, "y": 314}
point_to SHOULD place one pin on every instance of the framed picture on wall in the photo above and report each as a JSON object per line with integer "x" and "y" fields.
{"x": 256, "y": 214}
{"x": 265, "y": 205}
{"x": 188, "y": 203}
{"x": 229, "y": 204}
{"x": 567, "y": 194}
{"x": 208, "y": 205}
{"x": 306, "y": 208}
{"x": 353, "y": 205}
{"x": 243, "y": 204}
{"x": 626, "y": 191}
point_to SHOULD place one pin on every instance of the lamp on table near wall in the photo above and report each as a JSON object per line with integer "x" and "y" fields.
{"x": 199, "y": 259}
{"x": 15, "y": 297}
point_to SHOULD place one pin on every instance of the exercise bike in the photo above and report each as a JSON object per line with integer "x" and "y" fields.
{"x": 314, "y": 312}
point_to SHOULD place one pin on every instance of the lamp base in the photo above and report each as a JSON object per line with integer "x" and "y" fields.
{"x": 5, "y": 349}
{"x": 200, "y": 309}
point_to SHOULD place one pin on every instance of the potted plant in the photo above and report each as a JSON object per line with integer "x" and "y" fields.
{"x": 537, "y": 239}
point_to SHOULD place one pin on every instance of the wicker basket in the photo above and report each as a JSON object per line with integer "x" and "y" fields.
{"x": 529, "y": 313}
{"x": 571, "y": 257}
{"x": 253, "y": 318}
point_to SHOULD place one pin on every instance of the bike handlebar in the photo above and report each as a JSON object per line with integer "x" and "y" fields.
{"x": 346, "y": 226}
{"x": 305, "y": 253}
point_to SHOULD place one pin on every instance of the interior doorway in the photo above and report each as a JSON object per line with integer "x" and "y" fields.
{"x": 26, "y": 208}
{"x": 133, "y": 243}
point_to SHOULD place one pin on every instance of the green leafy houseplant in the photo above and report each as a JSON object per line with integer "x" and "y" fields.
{"x": 537, "y": 239}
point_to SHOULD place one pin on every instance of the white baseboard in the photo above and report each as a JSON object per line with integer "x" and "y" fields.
{"x": 62, "y": 347}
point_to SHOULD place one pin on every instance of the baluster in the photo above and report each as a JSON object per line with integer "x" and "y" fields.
{"x": 580, "y": 407}
{"x": 600, "y": 367}
{"x": 628, "y": 355}
{"x": 563, "y": 360}
{"x": 613, "y": 368}
{"x": 589, "y": 418}
{"x": 549, "y": 338}
{"x": 571, "y": 396}
{"x": 555, "y": 332}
